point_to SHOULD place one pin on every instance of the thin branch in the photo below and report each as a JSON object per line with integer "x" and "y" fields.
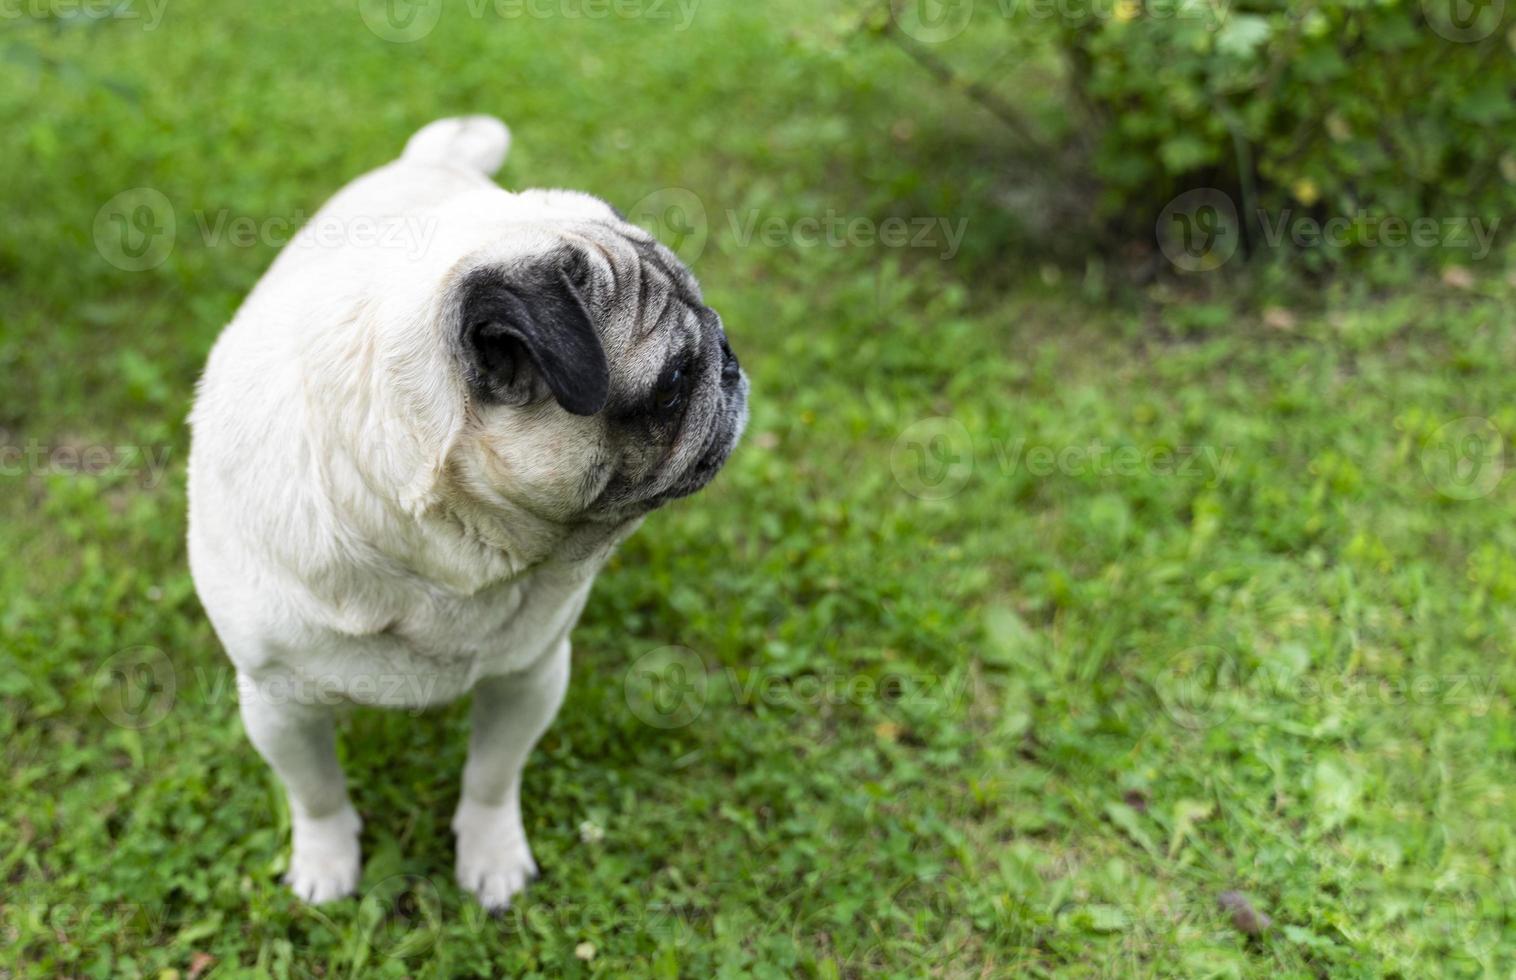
{"x": 945, "y": 73}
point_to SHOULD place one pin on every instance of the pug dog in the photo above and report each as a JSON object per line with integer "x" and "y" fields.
{"x": 413, "y": 448}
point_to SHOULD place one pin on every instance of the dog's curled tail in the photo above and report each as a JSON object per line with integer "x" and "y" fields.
{"x": 475, "y": 142}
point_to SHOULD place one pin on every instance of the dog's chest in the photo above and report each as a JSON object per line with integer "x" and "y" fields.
{"x": 436, "y": 646}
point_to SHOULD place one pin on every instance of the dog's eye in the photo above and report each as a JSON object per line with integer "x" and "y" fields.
{"x": 670, "y": 390}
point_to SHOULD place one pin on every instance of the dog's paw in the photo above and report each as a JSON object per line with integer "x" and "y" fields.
{"x": 325, "y": 861}
{"x": 494, "y": 860}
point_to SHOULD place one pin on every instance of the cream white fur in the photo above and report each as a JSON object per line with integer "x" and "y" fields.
{"x": 355, "y": 533}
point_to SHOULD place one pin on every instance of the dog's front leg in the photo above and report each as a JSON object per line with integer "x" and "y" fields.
{"x": 299, "y": 742}
{"x": 509, "y": 714}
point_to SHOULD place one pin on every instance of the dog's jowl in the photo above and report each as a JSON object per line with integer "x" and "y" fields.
{"x": 413, "y": 448}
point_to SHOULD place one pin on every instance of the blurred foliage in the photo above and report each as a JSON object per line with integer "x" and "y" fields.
{"x": 1341, "y": 106}
{"x": 1360, "y": 109}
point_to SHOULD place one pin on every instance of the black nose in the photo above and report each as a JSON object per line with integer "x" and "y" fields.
{"x": 730, "y": 369}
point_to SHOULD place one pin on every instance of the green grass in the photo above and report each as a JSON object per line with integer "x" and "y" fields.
{"x": 991, "y": 684}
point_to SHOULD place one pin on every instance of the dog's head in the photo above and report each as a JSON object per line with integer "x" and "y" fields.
{"x": 598, "y": 383}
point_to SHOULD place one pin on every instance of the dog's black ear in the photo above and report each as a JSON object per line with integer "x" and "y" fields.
{"x": 526, "y": 328}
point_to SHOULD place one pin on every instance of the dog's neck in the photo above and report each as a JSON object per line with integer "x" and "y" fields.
{"x": 410, "y": 507}
{"x": 470, "y": 545}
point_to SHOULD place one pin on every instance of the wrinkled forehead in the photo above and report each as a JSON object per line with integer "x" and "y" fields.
{"x": 654, "y": 309}
{"x": 622, "y": 245}
{"x": 650, "y": 305}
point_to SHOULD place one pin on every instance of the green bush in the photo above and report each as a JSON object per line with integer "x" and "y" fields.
{"x": 1360, "y": 109}
{"x": 1376, "y": 116}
